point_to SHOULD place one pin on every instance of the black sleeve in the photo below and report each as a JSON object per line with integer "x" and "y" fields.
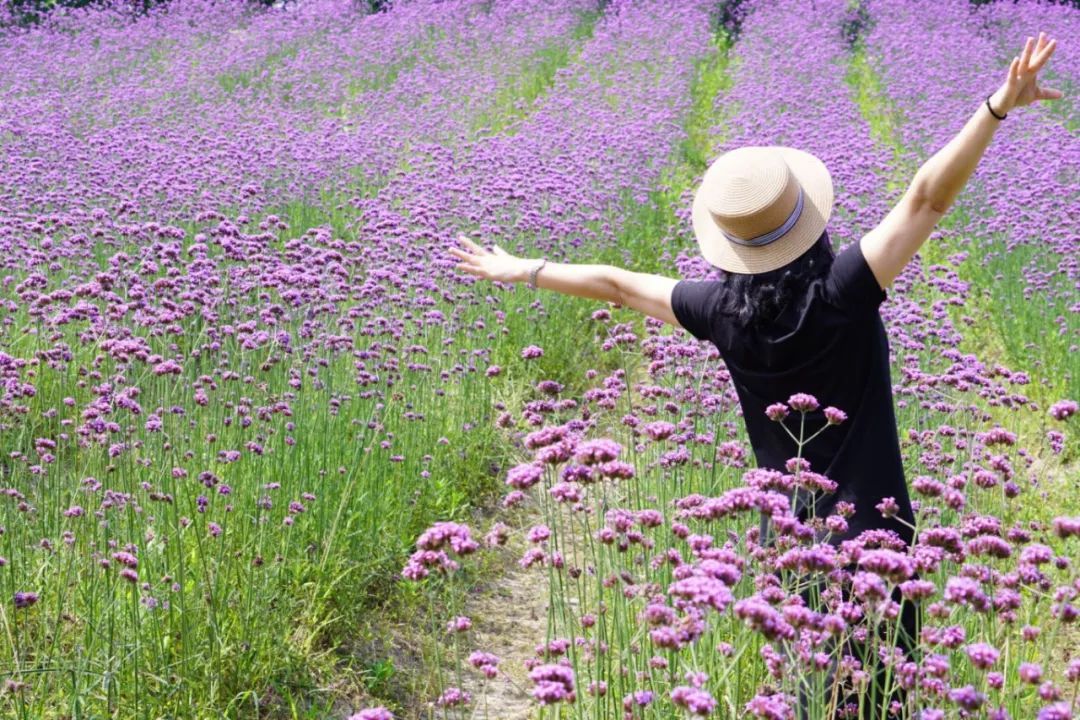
{"x": 851, "y": 282}
{"x": 693, "y": 302}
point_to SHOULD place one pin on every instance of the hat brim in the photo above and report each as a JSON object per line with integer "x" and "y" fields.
{"x": 817, "y": 208}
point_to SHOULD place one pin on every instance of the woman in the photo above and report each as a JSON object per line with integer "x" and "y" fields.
{"x": 786, "y": 315}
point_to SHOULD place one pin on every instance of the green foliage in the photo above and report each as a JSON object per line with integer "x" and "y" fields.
{"x": 378, "y": 674}
{"x": 1036, "y": 330}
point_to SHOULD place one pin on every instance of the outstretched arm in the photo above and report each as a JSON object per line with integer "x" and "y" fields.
{"x": 649, "y": 294}
{"x": 890, "y": 245}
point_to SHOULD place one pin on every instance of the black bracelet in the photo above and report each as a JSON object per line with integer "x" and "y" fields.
{"x": 999, "y": 117}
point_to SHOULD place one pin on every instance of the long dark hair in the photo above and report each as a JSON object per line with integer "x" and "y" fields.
{"x": 754, "y": 300}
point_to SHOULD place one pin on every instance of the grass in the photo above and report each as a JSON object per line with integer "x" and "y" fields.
{"x": 1037, "y": 330}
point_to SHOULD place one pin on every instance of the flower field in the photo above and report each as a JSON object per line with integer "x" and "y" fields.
{"x": 263, "y": 447}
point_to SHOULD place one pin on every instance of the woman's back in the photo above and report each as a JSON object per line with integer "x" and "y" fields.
{"x": 831, "y": 344}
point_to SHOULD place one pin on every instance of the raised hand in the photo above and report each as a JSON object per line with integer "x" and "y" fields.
{"x": 495, "y": 264}
{"x": 1021, "y": 87}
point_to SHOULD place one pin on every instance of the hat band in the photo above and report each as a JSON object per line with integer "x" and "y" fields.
{"x": 772, "y": 235}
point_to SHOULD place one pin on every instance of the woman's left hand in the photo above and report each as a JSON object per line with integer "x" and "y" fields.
{"x": 495, "y": 264}
{"x": 1021, "y": 87}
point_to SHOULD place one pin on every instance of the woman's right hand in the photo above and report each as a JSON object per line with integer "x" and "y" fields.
{"x": 1021, "y": 87}
{"x": 496, "y": 264}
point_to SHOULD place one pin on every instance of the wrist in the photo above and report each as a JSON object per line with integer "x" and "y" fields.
{"x": 1001, "y": 101}
{"x": 521, "y": 271}
{"x": 526, "y": 266}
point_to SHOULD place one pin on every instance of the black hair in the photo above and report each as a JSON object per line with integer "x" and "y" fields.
{"x": 753, "y": 300}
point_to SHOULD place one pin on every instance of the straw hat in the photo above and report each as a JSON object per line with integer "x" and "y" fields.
{"x": 760, "y": 207}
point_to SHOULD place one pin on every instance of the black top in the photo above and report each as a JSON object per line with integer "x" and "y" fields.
{"x": 835, "y": 349}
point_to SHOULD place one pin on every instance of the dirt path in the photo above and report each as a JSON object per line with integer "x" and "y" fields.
{"x": 509, "y": 619}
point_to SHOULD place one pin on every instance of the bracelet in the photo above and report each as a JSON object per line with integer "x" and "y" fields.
{"x": 532, "y": 273}
{"x": 999, "y": 117}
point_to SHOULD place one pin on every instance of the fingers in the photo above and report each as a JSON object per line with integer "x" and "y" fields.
{"x": 1044, "y": 55}
{"x": 1025, "y": 56}
{"x": 1014, "y": 70}
{"x": 1035, "y": 54}
{"x": 477, "y": 249}
{"x": 471, "y": 245}
{"x": 498, "y": 250}
{"x": 469, "y": 263}
{"x": 461, "y": 255}
{"x": 1039, "y": 44}
{"x": 1049, "y": 94}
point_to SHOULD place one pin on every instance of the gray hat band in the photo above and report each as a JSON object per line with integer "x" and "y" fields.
{"x": 772, "y": 235}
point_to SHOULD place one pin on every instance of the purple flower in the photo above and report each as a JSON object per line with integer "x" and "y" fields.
{"x": 25, "y": 599}
{"x": 1072, "y": 671}
{"x": 693, "y": 700}
{"x": 835, "y": 416}
{"x": 888, "y": 507}
{"x": 531, "y": 351}
{"x": 889, "y": 564}
{"x": 600, "y": 450}
{"x": 497, "y": 535}
{"x": 538, "y": 533}
{"x": 553, "y": 684}
{"x": 377, "y": 713}
{"x": 776, "y": 412}
{"x": 1064, "y": 409}
{"x": 1066, "y": 527}
{"x": 1057, "y": 711}
{"x": 515, "y": 497}
{"x": 638, "y": 698}
{"x": 524, "y": 476}
{"x": 566, "y": 492}
{"x": 982, "y": 655}
{"x": 126, "y": 558}
{"x": 455, "y": 535}
{"x": 803, "y": 402}
{"x": 453, "y": 697}
{"x": 659, "y": 430}
{"x": 915, "y": 590}
{"x": 1031, "y": 673}
{"x": 549, "y": 387}
{"x": 763, "y": 618}
{"x": 459, "y": 624}
{"x": 965, "y": 591}
{"x": 967, "y": 697}
{"x": 770, "y": 707}
{"x": 486, "y": 663}
{"x": 703, "y": 590}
